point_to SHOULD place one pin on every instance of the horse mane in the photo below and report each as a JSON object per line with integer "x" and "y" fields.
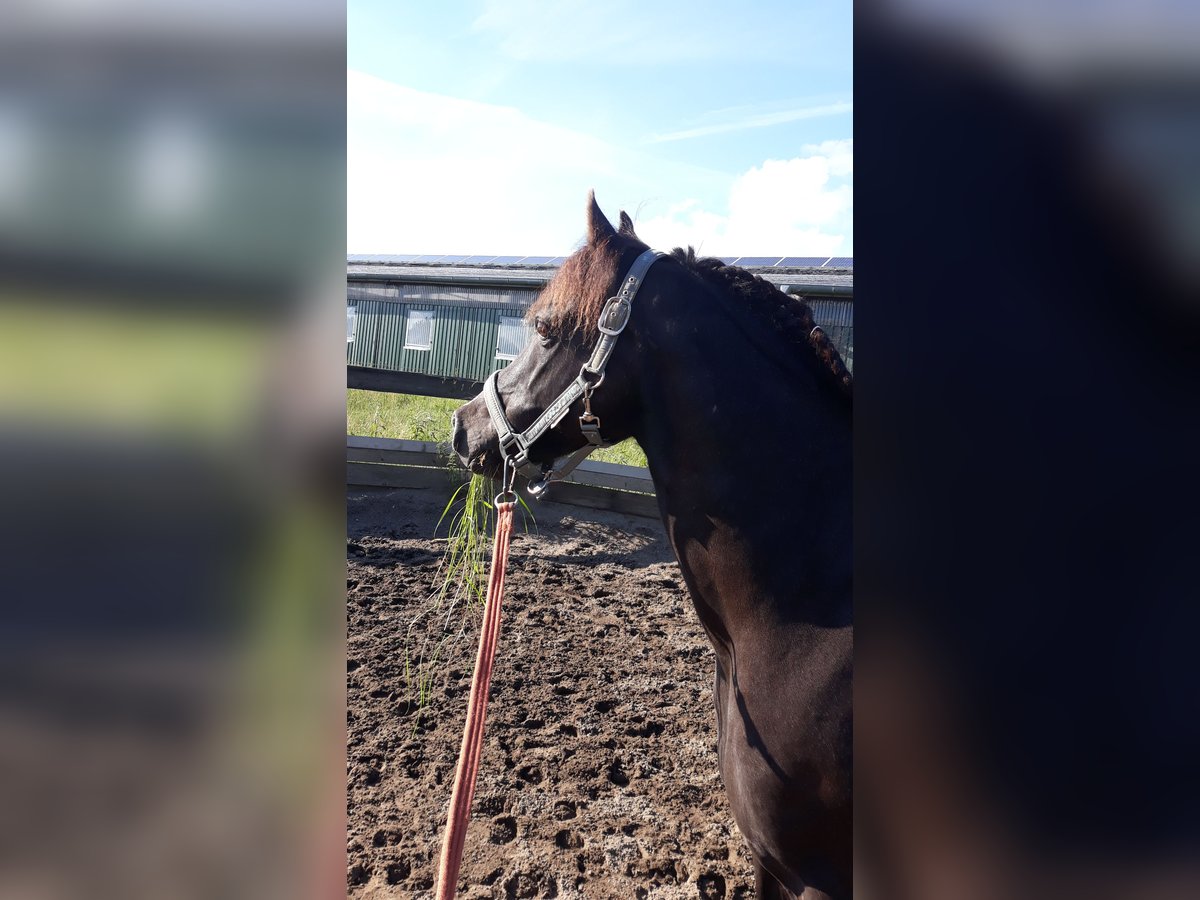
{"x": 571, "y": 302}
{"x": 791, "y": 315}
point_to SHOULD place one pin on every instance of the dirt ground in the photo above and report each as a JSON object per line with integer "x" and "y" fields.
{"x": 599, "y": 772}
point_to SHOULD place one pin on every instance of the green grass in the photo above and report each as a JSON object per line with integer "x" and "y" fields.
{"x": 376, "y": 414}
{"x": 437, "y": 633}
{"x": 463, "y": 570}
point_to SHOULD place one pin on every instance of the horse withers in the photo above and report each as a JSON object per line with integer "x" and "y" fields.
{"x": 743, "y": 408}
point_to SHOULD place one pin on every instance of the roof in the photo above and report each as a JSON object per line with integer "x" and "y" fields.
{"x": 819, "y": 262}
{"x": 831, "y": 279}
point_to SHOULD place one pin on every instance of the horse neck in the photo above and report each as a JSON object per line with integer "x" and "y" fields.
{"x": 751, "y": 459}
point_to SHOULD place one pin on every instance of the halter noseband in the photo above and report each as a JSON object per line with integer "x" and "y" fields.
{"x": 514, "y": 447}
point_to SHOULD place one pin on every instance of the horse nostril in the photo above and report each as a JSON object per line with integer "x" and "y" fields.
{"x": 458, "y": 436}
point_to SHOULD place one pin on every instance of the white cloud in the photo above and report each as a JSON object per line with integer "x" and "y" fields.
{"x": 429, "y": 173}
{"x": 435, "y": 174}
{"x": 759, "y": 120}
{"x": 795, "y": 207}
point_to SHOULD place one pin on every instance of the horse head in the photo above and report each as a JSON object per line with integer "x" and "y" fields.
{"x": 566, "y": 317}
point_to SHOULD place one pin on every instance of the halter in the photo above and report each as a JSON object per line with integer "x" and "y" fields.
{"x": 515, "y": 447}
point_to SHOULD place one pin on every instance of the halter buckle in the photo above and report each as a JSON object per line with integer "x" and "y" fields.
{"x": 615, "y": 315}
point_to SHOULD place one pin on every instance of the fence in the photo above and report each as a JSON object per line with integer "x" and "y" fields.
{"x": 388, "y": 462}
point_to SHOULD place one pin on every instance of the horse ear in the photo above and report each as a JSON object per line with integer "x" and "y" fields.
{"x": 627, "y": 225}
{"x": 599, "y": 228}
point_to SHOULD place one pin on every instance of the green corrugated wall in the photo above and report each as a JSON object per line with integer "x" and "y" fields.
{"x": 465, "y": 335}
{"x": 463, "y": 343}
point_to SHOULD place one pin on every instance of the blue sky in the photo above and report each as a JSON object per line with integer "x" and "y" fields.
{"x": 479, "y": 127}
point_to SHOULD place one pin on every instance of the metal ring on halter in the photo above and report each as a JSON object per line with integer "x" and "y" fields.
{"x": 591, "y": 385}
{"x": 507, "y": 475}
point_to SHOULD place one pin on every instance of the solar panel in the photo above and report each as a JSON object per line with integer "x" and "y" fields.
{"x": 802, "y": 261}
{"x": 377, "y": 258}
{"x": 455, "y": 260}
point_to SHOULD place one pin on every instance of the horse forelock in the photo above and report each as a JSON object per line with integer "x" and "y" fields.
{"x": 791, "y": 316}
{"x": 572, "y": 300}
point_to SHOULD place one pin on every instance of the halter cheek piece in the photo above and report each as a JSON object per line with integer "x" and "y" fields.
{"x": 515, "y": 447}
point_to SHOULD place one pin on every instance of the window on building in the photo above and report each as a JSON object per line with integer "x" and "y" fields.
{"x": 351, "y": 323}
{"x": 514, "y": 334}
{"x": 418, "y": 330}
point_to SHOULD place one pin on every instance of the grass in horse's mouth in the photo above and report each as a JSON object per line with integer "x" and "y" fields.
{"x": 459, "y": 584}
{"x": 462, "y": 572}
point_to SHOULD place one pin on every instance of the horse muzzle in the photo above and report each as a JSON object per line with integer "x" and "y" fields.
{"x": 474, "y": 443}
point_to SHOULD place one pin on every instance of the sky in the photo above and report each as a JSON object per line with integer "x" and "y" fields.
{"x": 479, "y": 127}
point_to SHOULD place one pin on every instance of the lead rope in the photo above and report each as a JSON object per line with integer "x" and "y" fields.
{"x": 472, "y": 744}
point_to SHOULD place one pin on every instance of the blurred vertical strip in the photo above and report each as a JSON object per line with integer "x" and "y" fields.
{"x": 172, "y": 363}
{"x": 1027, "y": 239}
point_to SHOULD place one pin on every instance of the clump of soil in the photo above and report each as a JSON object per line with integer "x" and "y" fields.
{"x": 599, "y": 771}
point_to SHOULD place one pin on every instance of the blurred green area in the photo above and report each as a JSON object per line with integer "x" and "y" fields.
{"x": 408, "y": 417}
{"x": 129, "y": 369}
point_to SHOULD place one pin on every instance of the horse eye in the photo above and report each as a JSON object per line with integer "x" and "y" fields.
{"x": 542, "y": 327}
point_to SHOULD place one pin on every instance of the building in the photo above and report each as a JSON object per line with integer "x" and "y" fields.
{"x": 463, "y": 317}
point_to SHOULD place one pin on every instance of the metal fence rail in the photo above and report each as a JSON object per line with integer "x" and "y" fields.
{"x": 365, "y": 378}
{"x": 387, "y": 462}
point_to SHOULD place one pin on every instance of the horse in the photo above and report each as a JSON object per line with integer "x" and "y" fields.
{"x": 743, "y": 408}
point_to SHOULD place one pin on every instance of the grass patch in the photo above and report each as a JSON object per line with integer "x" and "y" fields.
{"x": 401, "y": 416}
{"x": 408, "y": 417}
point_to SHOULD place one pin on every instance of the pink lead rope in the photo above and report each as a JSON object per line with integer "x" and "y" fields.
{"x": 472, "y": 744}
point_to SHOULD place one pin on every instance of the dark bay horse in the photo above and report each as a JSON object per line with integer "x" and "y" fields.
{"x": 743, "y": 409}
